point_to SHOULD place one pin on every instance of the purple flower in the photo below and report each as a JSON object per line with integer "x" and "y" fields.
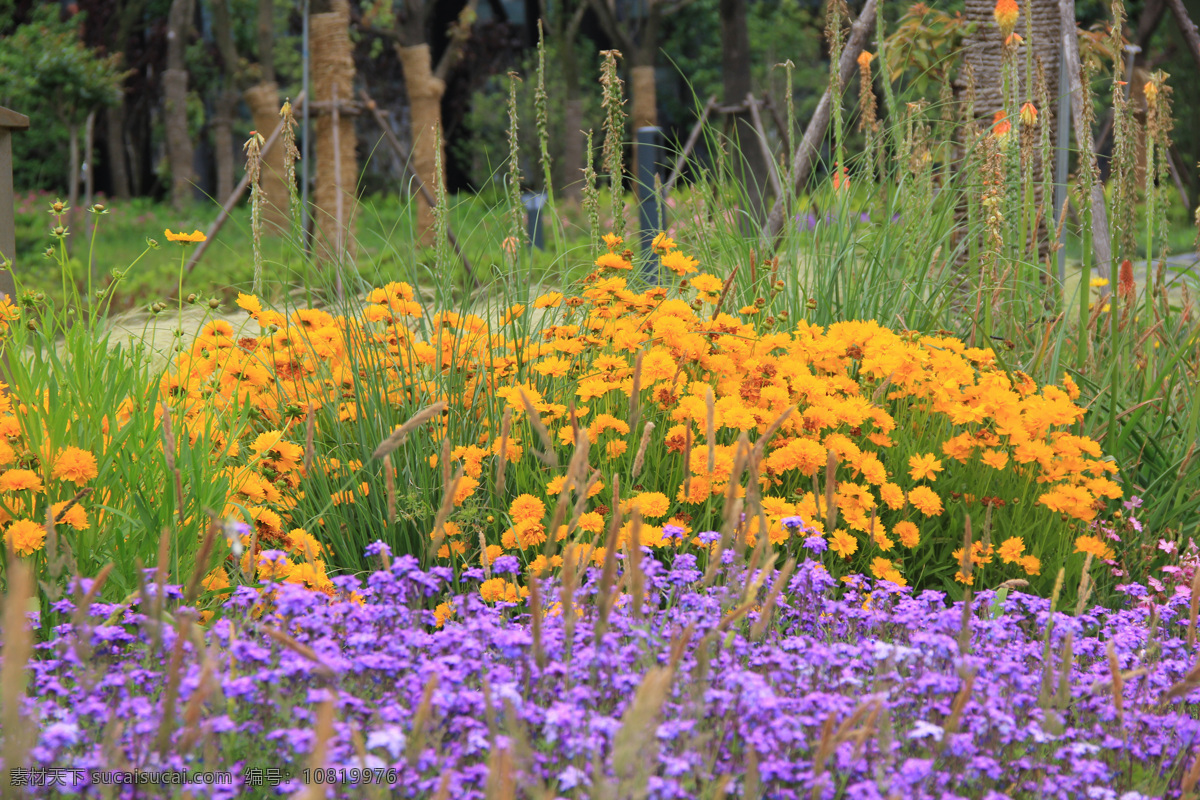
{"x": 506, "y": 565}
{"x": 378, "y": 548}
{"x": 816, "y": 543}
{"x": 793, "y": 522}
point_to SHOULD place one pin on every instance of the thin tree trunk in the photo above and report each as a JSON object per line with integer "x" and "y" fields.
{"x": 227, "y": 99}
{"x": 175, "y": 80}
{"x": 1101, "y": 245}
{"x": 750, "y": 166}
{"x": 424, "y": 91}
{"x": 117, "y": 168}
{"x": 73, "y": 177}
{"x": 222, "y": 128}
{"x": 89, "y": 167}
{"x": 1187, "y": 28}
{"x": 571, "y": 164}
{"x": 266, "y": 40}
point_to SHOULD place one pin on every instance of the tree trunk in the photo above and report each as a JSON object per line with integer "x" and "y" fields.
{"x": 266, "y": 41}
{"x": 264, "y": 107}
{"x": 571, "y": 164}
{"x": 117, "y": 168}
{"x": 424, "y": 91}
{"x": 227, "y": 99}
{"x": 73, "y": 177}
{"x": 89, "y": 169}
{"x": 644, "y": 90}
{"x": 750, "y": 167}
{"x": 222, "y": 128}
{"x": 337, "y": 167}
{"x": 175, "y": 80}
{"x": 983, "y": 51}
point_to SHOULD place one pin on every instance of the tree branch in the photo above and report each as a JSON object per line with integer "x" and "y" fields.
{"x": 611, "y": 26}
{"x": 460, "y": 31}
{"x": 806, "y": 152}
{"x": 1187, "y": 28}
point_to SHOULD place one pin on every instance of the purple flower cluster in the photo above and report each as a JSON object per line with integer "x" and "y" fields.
{"x": 816, "y": 688}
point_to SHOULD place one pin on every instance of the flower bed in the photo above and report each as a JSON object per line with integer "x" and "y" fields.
{"x": 718, "y": 683}
{"x": 883, "y": 443}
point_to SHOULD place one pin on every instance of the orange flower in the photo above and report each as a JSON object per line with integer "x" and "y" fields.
{"x": 1000, "y": 124}
{"x": 924, "y": 467}
{"x": 1029, "y": 115}
{"x": 185, "y": 238}
{"x": 1126, "y": 285}
{"x": 25, "y": 537}
{"x": 1006, "y": 14}
{"x": 926, "y": 501}
{"x": 16, "y": 480}
{"x": 76, "y": 465}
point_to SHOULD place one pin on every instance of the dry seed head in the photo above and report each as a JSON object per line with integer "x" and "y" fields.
{"x": 641, "y": 451}
{"x": 400, "y": 434}
{"x": 505, "y": 428}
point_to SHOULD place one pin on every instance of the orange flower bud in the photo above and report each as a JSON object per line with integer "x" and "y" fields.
{"x": 1029, "y": 115}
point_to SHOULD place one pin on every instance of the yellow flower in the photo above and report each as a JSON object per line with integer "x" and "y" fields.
{"x": 924, "y": 467}
{"x": 612, "y": 261}
{"x": 442, "y": 613}
{"x": 612, "y": 241}
{"x": 996, "y": 459}
{"x": 75, "y": 465}
{"x": 926, "y": 501}
{"x": 215, "y": 580}
{"x": 707, "y": 283}
{"x": 662, "y": 243}
{"x": 1095, "y": 546}
{"x": 185, "y": 238}
{"x": 879, "y": 566}
{"x": 527, "y": 508}
{"x": 650, "y": 504}
{"x": 17, "y": 480}
{"x": 25, "y": 537}
{"x": 75, "y": 516}
{"x": 249, "y": 303}
{"x": 1098, "y": 283}
{"x": 1010, "y": 550}
{"x": 843, "y": 543}
{"x": 908, "y": 533}
{"x": 679, "y": 263}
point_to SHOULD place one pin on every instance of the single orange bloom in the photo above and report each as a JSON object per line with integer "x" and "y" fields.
{"x": 1029, "y": 115}
{"x": 1000, "y": 125}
